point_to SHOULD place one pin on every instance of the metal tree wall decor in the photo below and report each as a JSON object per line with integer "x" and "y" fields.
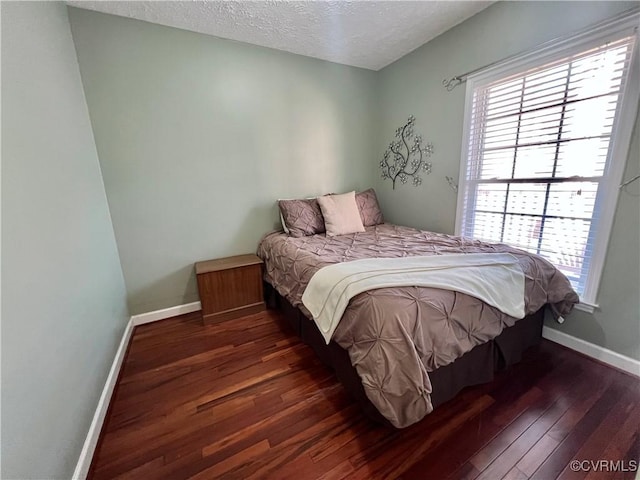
{"x": 406, "y": 156}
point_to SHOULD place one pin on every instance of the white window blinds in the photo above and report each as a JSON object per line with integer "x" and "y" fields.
{"x": 539, "y": 146}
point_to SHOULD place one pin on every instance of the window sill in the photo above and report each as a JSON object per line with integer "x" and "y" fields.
{"x": 586, "y": 307}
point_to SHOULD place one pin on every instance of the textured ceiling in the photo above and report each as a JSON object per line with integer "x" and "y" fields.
{"x": 368, "y": 34}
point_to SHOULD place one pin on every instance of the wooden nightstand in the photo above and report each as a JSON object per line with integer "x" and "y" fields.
{"x": 230, "y": 287}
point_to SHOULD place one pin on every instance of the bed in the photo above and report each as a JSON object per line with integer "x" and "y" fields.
{"x": 402, "y": 351}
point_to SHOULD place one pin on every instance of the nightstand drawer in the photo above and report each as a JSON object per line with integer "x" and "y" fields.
{"x": 230, "y": 287}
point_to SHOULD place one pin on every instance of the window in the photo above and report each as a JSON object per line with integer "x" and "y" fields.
{"x": 546, "y": 142}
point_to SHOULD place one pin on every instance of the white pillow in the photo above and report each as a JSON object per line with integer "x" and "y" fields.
{"x": 341, "y": 214}
{"x": 284, "y": 225}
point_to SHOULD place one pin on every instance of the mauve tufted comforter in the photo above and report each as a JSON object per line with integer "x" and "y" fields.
{"x": 395, "y": 336}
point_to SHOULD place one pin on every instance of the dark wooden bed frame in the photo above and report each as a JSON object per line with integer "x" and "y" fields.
{"x": 474, "y": 367}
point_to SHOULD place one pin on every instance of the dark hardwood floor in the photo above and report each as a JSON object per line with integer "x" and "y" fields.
{"x": 246, "y": 399}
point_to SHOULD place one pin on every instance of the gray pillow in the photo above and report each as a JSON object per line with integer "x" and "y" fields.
{"x": 369, "y": 209}
{"x": 302, "y": 217}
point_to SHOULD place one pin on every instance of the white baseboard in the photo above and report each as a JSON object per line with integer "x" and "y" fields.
{"x": 90, "y": 443}
{"x": 86, "y": 455}
{"x": 156, "y": 315}
{"x": 602, "y": 354}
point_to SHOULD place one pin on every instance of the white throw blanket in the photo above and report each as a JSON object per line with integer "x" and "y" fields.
{"x": 495, "y": 278}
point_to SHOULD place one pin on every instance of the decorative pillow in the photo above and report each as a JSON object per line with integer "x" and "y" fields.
{"x": 301, "y": 217}
{"x": 369, "y": 208}
{"x": 341, "y": 215}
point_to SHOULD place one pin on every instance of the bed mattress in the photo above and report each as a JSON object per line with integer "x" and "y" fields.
{"x": 396, "y": 336}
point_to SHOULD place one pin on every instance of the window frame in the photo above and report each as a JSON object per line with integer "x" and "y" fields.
{"x": 622, "y": 130}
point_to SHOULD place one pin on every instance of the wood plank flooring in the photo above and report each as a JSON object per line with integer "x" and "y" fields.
{"x": 246, "y": 399}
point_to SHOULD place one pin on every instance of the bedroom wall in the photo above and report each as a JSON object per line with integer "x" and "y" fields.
{"x": 413, "y": 85}
{"x": 63, "y": 296}
{"x": 198, "y": 137}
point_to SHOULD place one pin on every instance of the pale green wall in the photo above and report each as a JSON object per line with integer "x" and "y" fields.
{"x": 63, "y": 295}
{"x": 616, "y": 324}
{"x": 198, "y": 136}
{"x": 413, "y": 85}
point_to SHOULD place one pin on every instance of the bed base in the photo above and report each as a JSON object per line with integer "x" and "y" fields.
{"x": 475, "y": 367}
